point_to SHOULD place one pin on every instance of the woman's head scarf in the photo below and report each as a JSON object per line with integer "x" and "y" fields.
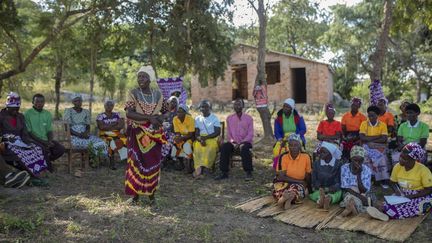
{"x": 333, "y": 149}
{"x": 415, "y": 151}
{"x": 357, "y": 151}
{"x": 290, "y": 102}
{"x": 13, "y": 100}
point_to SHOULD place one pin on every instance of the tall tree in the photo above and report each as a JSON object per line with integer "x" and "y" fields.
{"x": 60, "y": 15}
{"x": 296, "y": 27}
{"x": 260, "y": 79}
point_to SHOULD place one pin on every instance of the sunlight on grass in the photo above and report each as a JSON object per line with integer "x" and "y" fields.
{"x": 73, "y": 228}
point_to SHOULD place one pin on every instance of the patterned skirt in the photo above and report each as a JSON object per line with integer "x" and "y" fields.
{"x": 144, "y": 159}
{"x": 114, "y": 140}
{"x": 31, "y": 158}
{"x": 376, "y": 160}
{"x": 413, "y": 208}
{"x": 280, "y": 187}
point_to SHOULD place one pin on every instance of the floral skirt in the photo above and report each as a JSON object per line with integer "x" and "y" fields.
{"x": 280, "y": 187}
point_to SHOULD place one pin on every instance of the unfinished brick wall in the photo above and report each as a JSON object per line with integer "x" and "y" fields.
{"x": 319, "y": 84}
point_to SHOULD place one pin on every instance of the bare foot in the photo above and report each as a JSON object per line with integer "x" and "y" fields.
{"x": 351, "y": 205}
{"x": 327, "y": 201}
{"x": 321, "y": 199}
{"x": 282, "y": 199}
{"x": 346, "y": 212}
{"x": 291, "y": 197}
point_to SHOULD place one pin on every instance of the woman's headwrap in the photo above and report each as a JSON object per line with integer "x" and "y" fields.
{"x": 333, "y": 149}
{"x": 329, "y": 107}
{"x": 357, "y": 151}
{"x": 290, "y": 102}
{"x": 13, "y": 100}
{"x": 184, "y": 107}
{"x": 205, "y": 102}
{"x": 295, "y": 137}
{"x": 109, "y": 102}
{"x": 173, "y": 98}
{"x": 415, "y": 151}
{"x": 357, "y": 101}
{"x": 149, "y": 71}
{"x": 76, "y": 96}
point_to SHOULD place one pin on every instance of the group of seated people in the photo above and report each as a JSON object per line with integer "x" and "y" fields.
{"x": 349, "y": 155}
{"x": 27, "y": 147}
{"x": 193, "y": 143}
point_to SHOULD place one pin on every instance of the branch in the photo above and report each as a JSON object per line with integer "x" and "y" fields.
{"x": 251, "y": 2}
{"x": 54, "y": 33}
{"x": 15, "y": 42}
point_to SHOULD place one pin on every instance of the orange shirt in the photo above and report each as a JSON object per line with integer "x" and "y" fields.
{"x": 327, "y": 128}
{"x": 387, "y": 118}
{"x": 296, "y": 168}
{"x": 351, "y": 122}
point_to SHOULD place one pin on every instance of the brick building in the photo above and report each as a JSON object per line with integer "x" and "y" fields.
{"x": 307, "y": 81}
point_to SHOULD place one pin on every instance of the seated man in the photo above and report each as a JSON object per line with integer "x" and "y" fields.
{"x": 39, "y": 126}
{"x": 240, "y": 135}
{"x": 373, "y": 134}
{"x": 412, "y": 130}
{"x": 293, "y": 174}
{"x": 351, "y": 122}
{"x": 326, "y": 176}
{"x": 184, "y": 130}
{"x": 110, "y": 125}
{"x": 356, "y": 183}
{"x": 10, "y": 177}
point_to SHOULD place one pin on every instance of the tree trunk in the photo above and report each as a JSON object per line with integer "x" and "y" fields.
{"x": 261, "y": 75}
{"x": 93, "y": 60}
{"x": 58, "y": 78}
{"x": 151, "y": 53}
{"x": 377, "y": 58}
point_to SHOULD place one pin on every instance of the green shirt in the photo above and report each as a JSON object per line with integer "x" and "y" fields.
{"x": 288, "y": 124}
{"x": 38, "y": 123}
{"x": 413, "y": 133}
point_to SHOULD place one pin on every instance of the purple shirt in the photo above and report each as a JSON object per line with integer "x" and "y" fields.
{"x": 240, "y": 130}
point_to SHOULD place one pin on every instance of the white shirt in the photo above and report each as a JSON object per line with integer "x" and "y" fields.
{"x": 206, "y": 125}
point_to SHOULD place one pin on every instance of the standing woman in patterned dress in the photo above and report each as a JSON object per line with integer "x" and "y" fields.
{"x": 144, "y": 138}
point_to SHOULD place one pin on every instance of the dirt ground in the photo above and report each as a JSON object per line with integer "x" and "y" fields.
{"x": 93, "y": 209}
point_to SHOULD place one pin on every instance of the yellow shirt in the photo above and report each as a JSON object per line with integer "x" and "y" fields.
{"x": 185, "y": 127}
{"x": 379, "y": 129}
{"x": 418, "y": 178}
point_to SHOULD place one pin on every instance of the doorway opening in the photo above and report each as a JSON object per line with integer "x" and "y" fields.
{"x": 239, "y": 82}
{"x": 299, "y": 84}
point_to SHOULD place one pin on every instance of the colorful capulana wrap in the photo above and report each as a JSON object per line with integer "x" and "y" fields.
{"x": 415, "y": 151}
{"x": 375, "y": 92}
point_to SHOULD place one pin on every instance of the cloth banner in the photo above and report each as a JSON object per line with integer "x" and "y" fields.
{"x": 171, "y": 85}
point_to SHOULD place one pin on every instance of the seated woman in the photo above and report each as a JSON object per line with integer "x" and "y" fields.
{"x": 184, "y": 130}
{"x": 110, "y": 125}
{"x": 402, "y": 117}
{"x": 326, "y": 176}
{"x": 373, "y": 134}
{"x": 205, "y": 147}
{"x": 386, "y": 117}
{"x": 288, "y": 121}
{"x": 355, "y": 183}
{"x": 168, "y": 116}
{"x": 20, "y": 150}
{"x": 293, "y": 174}
{"x": 351, "y": 122}
{"x": 79, "y": 121}
{"x": 329, "y": 130}
{"x": 411, "y": 131}
{"x": 411, "y": 179}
